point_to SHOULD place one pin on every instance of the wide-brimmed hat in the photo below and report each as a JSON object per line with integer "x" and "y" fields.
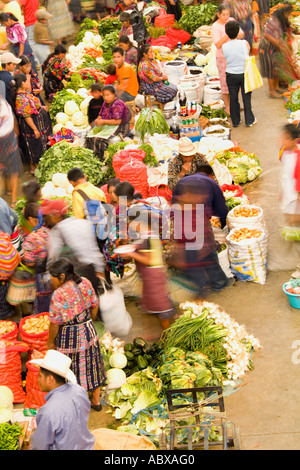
{"x": 58, "y": 363}
{"x": 8, "y": 58}
{"x": 186, "y": 147}
{"x": 42, "y": 14}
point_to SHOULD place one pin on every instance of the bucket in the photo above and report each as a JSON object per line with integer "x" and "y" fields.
{"x": 175, "y": 69}
{"x": 193, "y": 91}
{"x": 294, "y": 299}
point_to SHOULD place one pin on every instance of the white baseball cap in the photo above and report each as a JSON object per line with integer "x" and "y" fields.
{"x": 58, "y": 363}
{"x": 8, "y": 57}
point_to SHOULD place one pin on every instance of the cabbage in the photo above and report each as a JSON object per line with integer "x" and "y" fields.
{"x": 84, "y": 104}
{"x": 71, "y": 107}
{"x": 200, "y": 60}
{"x": 115, "y": 377}
{"x": 118, "y": 360}
{"x": 97, "y": 40}
{"x": 88, "y": 36}
{"x": 122, "y": 410}
{"x": 72, "y": 49}
{"x": 61, "y": 180}
{"x": 6, "y": 415}
{"x": 78, "y": 118}
{"x": 70, "y": 189}
{"x": 48, "y": 190}
{"x": 145, "y": 399}
{"x": 70, "y": 90}
{"x": 57, "y": 128}
{"x": 69, "y": 125}
{"x": 82, "y": 92}
{"x": 61, "y": 118}
{"x": 6, "y": 397}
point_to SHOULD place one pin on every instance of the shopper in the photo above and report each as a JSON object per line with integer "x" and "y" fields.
{"x": 79, "y": 181}
{"x": 10, "y": 158}
{"x": 17, "y": 37}
{"x": 26, "y": 68}
{"x": 235, "y": 52}
{"x": 60, "y": 25}
{"x": 219, "y": 38}
{"x": 73, "y": 308}
{"x": 145, "y": 223}
{"x": 62, "y": 423}
{"x": 274, "y": 52}
{"x": 9, "y": 260}
{"x": 29, "y": 8}
{"x": 42, "y": 39}
{"x": 152, "y": 80}
{"x": 34, "y": 121}
{"x": 185, "y": 163}
{"x": 8, "y": 64}
{"x": 241, "y": 11}
{"x": 55, "y": 71}
{"x": 127, "y": 87}
{"x": 12, "y": 6}
{"x": 73, "y": 238}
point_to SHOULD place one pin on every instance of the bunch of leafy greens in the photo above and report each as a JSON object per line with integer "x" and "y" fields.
{"x": 210, "y": 113}
{"x": 76, "y": 81}
{"x": 110, "y": 40}
{"x": 59, "y": 101}
{"x": 62, "y": 157}
{"x": 108, "y": 25}
{"x": 151, "y": 121}
{"x": 197, "y": 16}
{"x": 86, "y": 25}
{"x": 243, "y": 167}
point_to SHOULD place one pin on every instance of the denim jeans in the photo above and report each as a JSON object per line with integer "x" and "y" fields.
{"x": 209, "y": 274}
{"x": 235, "y": 83}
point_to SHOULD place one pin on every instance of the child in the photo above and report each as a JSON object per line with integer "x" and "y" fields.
{"x": 149, "y": 262}
{"x": 235, "y": 52}
{"x": 290, "y": 179}
{"x": 96, "y": 103}
{"x": 41, "y": 35}
{"x": 111, "y": 71}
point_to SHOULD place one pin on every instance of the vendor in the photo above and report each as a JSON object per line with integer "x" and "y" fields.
{"x": 126, "y": 28}
{"x": 114, "y": 112}
{"x": 152, "y": 80}
{"x": 129, "y": 49}
{"x": 55, "y": 71}
{"x": 62, "y": 423}
{"x": 185, "y": 163}
{"x": 127, "y": 87}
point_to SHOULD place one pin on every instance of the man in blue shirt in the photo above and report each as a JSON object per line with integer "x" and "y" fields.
{"x": 8, "y": 64}
{"x": 62, "y": 423}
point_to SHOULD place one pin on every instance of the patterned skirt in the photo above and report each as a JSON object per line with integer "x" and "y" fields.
{"x": 78, "y": 340}
{"x": 162, "y": 93}
{"x": 35, "y": 148}
{"x": 10, "y": 158}
{"x": 61, "y": 25}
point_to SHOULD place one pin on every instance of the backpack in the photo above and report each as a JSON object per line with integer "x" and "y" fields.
{"x": 96, "y": 213}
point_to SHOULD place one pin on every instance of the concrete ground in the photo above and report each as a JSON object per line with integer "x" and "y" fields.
{"x": 266, "y": 406}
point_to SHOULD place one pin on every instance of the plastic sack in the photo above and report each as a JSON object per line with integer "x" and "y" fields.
{"x": 113, "y": 311}
{"x": 248, "y": 258}
{"x": 177, "y": 35}
{"x": 36, "y": 341}
{"x": 136, "y": 173}
{"x": 249, "y": 222}
{"x": 35, "y": 398}
{"x": 224, "y": 262}
{"x": 11, "y": 367}
{"x": 130, "y": 283}
{"x": 160, "y": 191}
{"x": 109, "y": 439}
{"x": 11, "y": 335}
{"x": 290, "y": 234}
{"x": 164, "y": 20}
{"x": 252, "y": 77}
{"x": 125, "y": 156}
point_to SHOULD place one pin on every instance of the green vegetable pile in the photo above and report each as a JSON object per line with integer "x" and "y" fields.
{"x": 63, "y": 156}
{"x": 293, "y": 104}
{"x": 140, "y": 355}
{"x": 151, "y": 121}
{"x": 197, "y": 16}
{"x": 210, "y": 113}
{"x": 59, "y": 101}
{"x": 108, "y": 25}
{"x": 76, "y": 81}
{"x": 9, "y": 436}
{"x": 86, "y": 25}
{"x": 243, "y": 167}
{"x": 110, "y": 40}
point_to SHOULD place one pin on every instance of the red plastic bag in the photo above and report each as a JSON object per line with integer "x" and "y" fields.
{"x": 161, "y": 190}
{"x": 163, "y": 20}
{"x": 11, "y": 367}
{"x": 238, "y": 190}
{"x": 35, "y": 398}
{"x": 37, "y": 341}
{"x": 136, "y": 173}
{"x": 13, "y": 334}
{"x": 125, "y": 156}
{"x": 177, "y": 35}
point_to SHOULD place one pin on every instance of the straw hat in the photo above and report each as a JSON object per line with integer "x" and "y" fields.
{"x": 58, "y": 363}
{"x": 8, "y": 57}
{"x": 42, "y": 14}
{"x": 186, "y": 147}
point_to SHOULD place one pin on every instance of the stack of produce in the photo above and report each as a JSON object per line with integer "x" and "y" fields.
{"x": 9, "y": 436}
{"x": 58, "y": 187}
{"x": 8, "y": 330}
{"x": 234, "y": 195}
{"x": 243, "y": 166}
{"x": 6, "y": 405}
{"x": 34, "y": 331}
{"x": 62, "y": 157}
{"x": 69, "y": 109}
